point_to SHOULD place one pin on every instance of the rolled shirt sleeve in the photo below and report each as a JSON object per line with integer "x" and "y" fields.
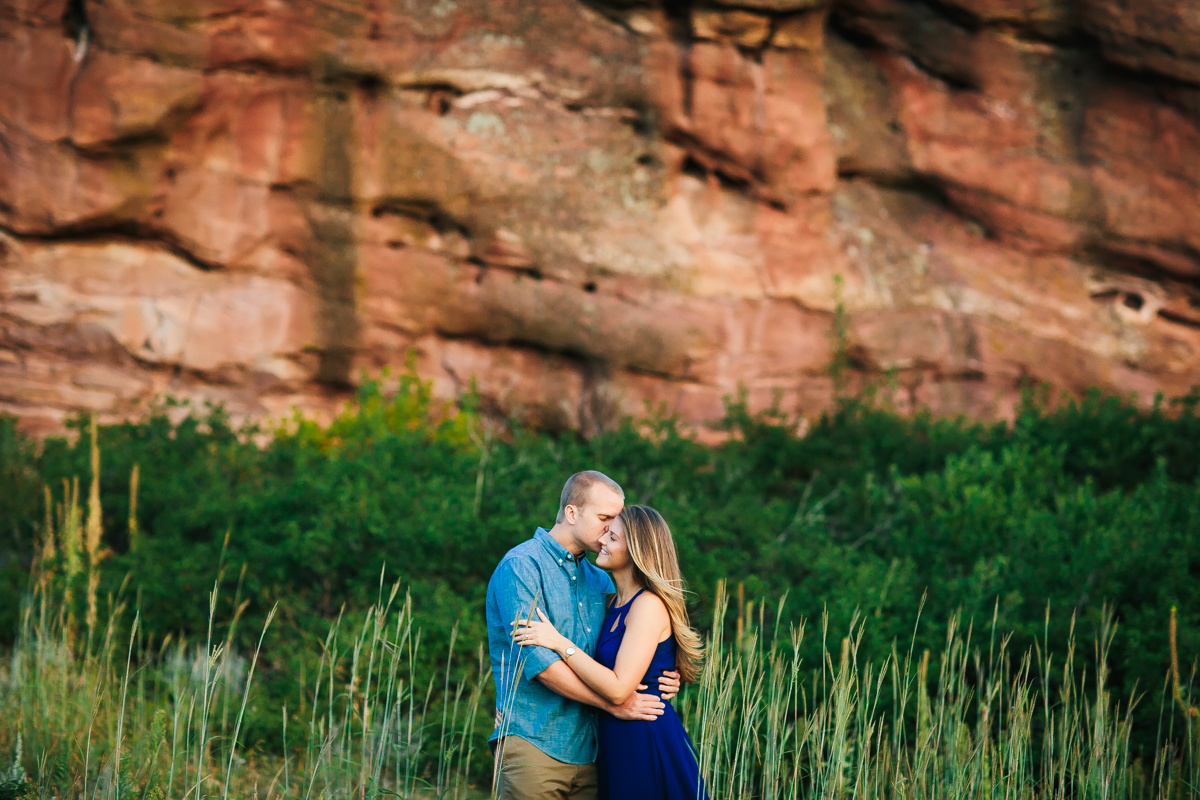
{"x": 519, "y": 597}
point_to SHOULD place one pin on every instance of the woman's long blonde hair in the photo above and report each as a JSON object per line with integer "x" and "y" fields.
{"x": 653, "y": 552}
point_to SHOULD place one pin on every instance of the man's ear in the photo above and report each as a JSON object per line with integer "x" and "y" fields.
{"x": 570, "y": 514}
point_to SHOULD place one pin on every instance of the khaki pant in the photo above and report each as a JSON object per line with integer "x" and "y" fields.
{"x": 526, "y": 773}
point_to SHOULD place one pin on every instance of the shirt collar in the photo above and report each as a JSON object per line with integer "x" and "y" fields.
{"x": 555, "y": 548}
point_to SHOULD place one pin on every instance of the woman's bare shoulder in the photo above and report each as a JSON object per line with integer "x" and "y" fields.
{"x": 650, "y": 607}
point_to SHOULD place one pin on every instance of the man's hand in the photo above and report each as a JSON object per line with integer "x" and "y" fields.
{"x": 668, "y": 684}
{"x": 640, "y": 706}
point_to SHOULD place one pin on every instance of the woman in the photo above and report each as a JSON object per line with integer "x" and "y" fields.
{"x": 645, "y": 632}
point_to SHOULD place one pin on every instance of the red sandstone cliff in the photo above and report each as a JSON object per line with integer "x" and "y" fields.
{"x": 585, "y": 205}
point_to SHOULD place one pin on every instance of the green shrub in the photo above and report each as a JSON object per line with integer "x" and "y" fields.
{"x": 1065, "y": 510}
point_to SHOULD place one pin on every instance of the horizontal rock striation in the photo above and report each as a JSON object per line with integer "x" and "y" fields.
{"x": 581, "y": 207}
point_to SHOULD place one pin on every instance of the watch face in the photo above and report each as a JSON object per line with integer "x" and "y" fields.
{"x": 570, "y": 651}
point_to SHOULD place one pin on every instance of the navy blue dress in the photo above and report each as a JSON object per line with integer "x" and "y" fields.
{"x": 644, "y": 760}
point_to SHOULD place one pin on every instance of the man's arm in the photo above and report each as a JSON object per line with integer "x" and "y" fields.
{"x": 647, "y": 621}
{"x": 561, "y": 679}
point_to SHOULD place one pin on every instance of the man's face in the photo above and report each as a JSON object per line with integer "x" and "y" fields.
{"x": 592, "y": 520}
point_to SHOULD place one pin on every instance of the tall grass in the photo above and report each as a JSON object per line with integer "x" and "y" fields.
{"x": 136, "y": 718}
{"x": 978, "y": 722}
{"x": 114, "y": 715}
{"x": 139, "y": 719}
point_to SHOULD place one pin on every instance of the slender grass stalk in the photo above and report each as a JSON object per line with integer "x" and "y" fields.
{"x": 92, "y": 537}
{"x": 245, "y": 699}
{"x": 134, "y": 534}
{"x": 207, "y": 690}
{"x": 116, "y": 758}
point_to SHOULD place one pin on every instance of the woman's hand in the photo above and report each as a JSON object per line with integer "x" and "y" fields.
{"x": 668, "y": 685}
{"x": 541, "y": 634}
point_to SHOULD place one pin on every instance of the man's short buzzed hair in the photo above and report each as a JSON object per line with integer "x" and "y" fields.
{"x": 578, "y": 486}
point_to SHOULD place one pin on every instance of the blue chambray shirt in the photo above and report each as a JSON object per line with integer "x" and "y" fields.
{"x": 541, "y": 573}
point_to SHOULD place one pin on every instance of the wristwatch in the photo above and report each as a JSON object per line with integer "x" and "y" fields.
{"x": 570, "y": 651}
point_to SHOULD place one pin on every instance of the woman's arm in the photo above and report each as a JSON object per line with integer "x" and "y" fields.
{"x": 645, "y": 623}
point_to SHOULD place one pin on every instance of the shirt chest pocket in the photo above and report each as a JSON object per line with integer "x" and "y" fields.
{"x": 596, "y": 608}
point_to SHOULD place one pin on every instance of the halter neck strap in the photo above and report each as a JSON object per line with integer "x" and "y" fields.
{"x": 635, "y": 597}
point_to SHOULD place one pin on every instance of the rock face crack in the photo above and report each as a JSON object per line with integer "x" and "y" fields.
{"x": 332, "y": 255}
{"x": 75, "y": 27}
{"x": 124, "y": 233}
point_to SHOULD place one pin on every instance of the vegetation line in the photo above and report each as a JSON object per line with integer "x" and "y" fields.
{"x": 904, "y": 537}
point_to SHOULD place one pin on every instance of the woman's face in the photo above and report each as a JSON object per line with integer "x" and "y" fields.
{"x": 614, "y": 554}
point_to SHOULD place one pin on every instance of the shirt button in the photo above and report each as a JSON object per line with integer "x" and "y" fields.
{"x": 572, "y": 577}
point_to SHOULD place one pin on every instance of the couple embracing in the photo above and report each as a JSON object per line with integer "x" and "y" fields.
{"x": 586, "y": 664}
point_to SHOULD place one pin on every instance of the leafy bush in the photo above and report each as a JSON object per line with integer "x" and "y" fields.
{"x": 1036, "y": 524}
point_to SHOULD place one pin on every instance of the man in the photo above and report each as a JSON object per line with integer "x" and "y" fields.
{"x": 545, "y": 735}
